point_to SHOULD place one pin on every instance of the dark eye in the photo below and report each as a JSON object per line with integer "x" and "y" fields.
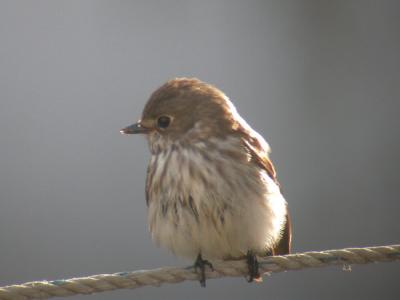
{"x": 163, "y": 122}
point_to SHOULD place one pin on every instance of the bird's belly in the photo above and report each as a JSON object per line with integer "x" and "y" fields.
{"x": 196, "y": 207}
{"x": 218, "y": 233}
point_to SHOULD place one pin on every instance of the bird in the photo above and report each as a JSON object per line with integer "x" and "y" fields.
{"x": 212, "y": 192}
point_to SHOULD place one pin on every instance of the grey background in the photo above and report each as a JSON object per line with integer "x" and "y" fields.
{"x": 318, "y": 79}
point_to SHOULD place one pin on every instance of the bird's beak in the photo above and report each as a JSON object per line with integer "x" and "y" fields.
{"x": 134, "y": 128}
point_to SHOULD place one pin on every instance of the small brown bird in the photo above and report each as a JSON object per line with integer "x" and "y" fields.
{"x": 211, "y": 189}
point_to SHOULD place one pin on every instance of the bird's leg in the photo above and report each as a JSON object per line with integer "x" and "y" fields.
{"x": 252, "y": 263}
{"x": 201, "y": 264}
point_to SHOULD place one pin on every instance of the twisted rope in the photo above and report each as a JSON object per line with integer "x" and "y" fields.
{"x": 124, "y": 280}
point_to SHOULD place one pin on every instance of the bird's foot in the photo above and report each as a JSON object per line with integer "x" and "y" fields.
{"x": 200, "y": 264}
{"x": 252, "y": 263}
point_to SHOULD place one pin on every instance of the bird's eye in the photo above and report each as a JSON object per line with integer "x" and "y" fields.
{"x": 163, "y": 122}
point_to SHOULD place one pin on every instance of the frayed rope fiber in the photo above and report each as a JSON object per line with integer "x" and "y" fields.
{"x": 130, "y": 280}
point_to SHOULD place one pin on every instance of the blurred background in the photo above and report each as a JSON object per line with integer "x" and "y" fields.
{"x": 320, "y": 80}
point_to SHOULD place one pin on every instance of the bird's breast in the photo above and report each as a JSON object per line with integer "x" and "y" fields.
{"x": 204, "y": 167}
{"x": 211, "y": 199}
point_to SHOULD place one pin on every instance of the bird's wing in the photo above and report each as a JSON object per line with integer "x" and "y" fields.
{"x": 285, "y": 243}
{"x": 258, "y": 149}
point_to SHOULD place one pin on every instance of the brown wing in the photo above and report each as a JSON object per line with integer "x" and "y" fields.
{"x": 258, "y": 151}
{"x": 285, "y": 243}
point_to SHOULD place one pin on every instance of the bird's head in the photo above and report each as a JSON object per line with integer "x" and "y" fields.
{"x": 185, "y": 110}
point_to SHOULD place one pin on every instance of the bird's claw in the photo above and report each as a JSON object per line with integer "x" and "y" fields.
{"x": 252, "y": 263}
{"x": 200, "y": 264}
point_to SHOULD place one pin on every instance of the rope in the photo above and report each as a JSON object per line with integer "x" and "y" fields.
{"x": 124, "y": 280}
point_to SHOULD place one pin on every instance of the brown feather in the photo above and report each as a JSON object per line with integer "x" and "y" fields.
{"x": 285, "y": 243}
{"x": 259, "y": 155}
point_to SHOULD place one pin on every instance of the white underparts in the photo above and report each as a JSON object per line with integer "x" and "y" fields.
{"x": 213, "y": 205}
